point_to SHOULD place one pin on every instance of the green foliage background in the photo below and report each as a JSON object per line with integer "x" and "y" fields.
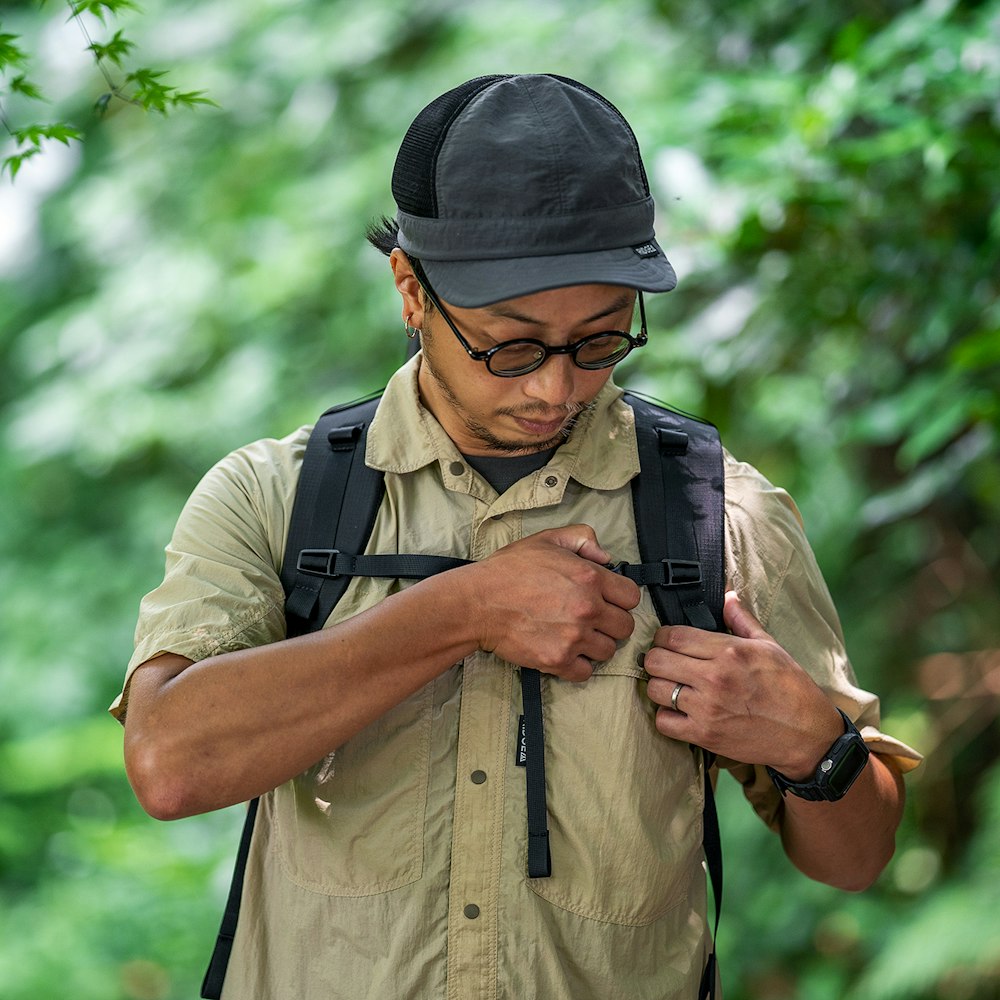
{"x": 827, "y": 179}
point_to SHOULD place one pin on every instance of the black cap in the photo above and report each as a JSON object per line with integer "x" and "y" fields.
{"x": 509, "y": 185}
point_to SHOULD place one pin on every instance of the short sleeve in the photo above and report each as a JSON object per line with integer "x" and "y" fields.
{"x": 221, "y": 589}
{"x": 770, "y": 564}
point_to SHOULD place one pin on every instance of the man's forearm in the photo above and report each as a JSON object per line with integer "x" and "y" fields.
{"x": 848, "y": 843}
{"x": 201, "y": 736}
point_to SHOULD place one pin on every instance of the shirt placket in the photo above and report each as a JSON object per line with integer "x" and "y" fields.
{"x": 482, "y": 762}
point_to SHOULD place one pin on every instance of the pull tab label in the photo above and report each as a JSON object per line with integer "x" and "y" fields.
{"x": 521, "y": 757}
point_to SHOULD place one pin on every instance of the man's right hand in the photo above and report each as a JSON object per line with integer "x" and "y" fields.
{"x": 549, "y": 602}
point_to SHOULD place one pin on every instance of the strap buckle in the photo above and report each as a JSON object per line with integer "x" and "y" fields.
{"x": 318, "y": 562}
{"x": 675, "y": 572}
{"x": 681, "y": 572}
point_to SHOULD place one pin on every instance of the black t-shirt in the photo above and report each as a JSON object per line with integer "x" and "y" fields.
{"x": 502, "y": 471}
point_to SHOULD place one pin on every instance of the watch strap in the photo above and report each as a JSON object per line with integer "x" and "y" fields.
{"x": 830, "y": 781}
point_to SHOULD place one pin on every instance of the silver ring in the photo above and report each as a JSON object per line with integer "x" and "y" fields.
{"x": 673, "y": 697}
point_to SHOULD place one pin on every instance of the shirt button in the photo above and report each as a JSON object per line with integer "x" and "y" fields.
{"x": 551, "y": 481}
{"x": 456, "y": 469}
{"x": 496, "y": 517}
{"x": 478, "y": 777}
{"x": 471, "y": 911}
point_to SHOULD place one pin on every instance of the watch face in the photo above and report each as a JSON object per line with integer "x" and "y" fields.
{"x": 848, "y": 766}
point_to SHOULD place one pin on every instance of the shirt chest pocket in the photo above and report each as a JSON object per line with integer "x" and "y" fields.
{"x": 625, "y": 803}
{"x": 353, "y": 825}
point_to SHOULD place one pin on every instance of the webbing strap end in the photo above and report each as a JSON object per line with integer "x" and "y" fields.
{"x": 539, "y": 858}
{"x": 302, "y": 600}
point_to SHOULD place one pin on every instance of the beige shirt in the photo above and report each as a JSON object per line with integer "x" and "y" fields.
{"x": 396, "y": 866}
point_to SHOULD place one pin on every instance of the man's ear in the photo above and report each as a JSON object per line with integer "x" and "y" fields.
{"x": 408, "y": 287}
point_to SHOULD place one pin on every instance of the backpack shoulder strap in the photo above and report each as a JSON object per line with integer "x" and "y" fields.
{"x": 678, "y": 499}
{"x": 336, "y": 502}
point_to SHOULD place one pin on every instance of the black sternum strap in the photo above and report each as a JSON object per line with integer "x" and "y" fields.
{"x": 333, "y": 564}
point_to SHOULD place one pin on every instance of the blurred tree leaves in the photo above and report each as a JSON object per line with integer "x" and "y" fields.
{"x": 143, "y": 87}
{"x": 173, "y": 287}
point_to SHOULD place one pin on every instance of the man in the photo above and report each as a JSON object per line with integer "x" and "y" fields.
{"x": 388, "y": 857}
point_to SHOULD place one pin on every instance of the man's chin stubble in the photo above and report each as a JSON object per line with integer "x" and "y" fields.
{"x": 513, "y": 447}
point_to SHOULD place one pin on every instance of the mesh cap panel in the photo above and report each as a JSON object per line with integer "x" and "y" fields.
{"x": 413, "y": 178}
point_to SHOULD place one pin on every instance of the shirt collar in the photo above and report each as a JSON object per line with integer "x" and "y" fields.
{"x": 404, "y": 435}
{"x": 601, "y": 451}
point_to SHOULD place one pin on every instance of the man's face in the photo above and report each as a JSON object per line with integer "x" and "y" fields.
{"x": 487, "y": 415}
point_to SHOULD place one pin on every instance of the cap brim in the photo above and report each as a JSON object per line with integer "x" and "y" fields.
{"x": 473, "y": 283}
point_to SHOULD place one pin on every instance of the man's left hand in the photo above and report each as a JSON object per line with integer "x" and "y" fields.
{"x": 742, "y": 695}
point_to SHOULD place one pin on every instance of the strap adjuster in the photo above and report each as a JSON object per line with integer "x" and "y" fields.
{"x": 344, "y": 438}
{"x": 665, "y": 573}
{"x": 681, "y": 572}
{"x": 318, "y": 562}
{"x": 672, "y": 442}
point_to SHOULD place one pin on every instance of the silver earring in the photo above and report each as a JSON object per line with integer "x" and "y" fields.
{"x": 411, "y": 331}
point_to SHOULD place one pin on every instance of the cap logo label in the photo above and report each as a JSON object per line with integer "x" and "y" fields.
{"x": 646, "y": 250}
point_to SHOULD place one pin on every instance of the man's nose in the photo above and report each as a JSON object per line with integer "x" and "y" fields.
{"x": 553, "y": 383}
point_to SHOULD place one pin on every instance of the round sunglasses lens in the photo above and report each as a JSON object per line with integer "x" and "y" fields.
{"x": 516, "y": 359}
{"x": 602, "y": 351}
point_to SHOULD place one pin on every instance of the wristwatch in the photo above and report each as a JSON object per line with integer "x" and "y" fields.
{"x": 837, "y": 771}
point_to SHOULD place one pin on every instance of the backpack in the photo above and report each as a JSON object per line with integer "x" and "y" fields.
{"x": 678, "y": 502}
